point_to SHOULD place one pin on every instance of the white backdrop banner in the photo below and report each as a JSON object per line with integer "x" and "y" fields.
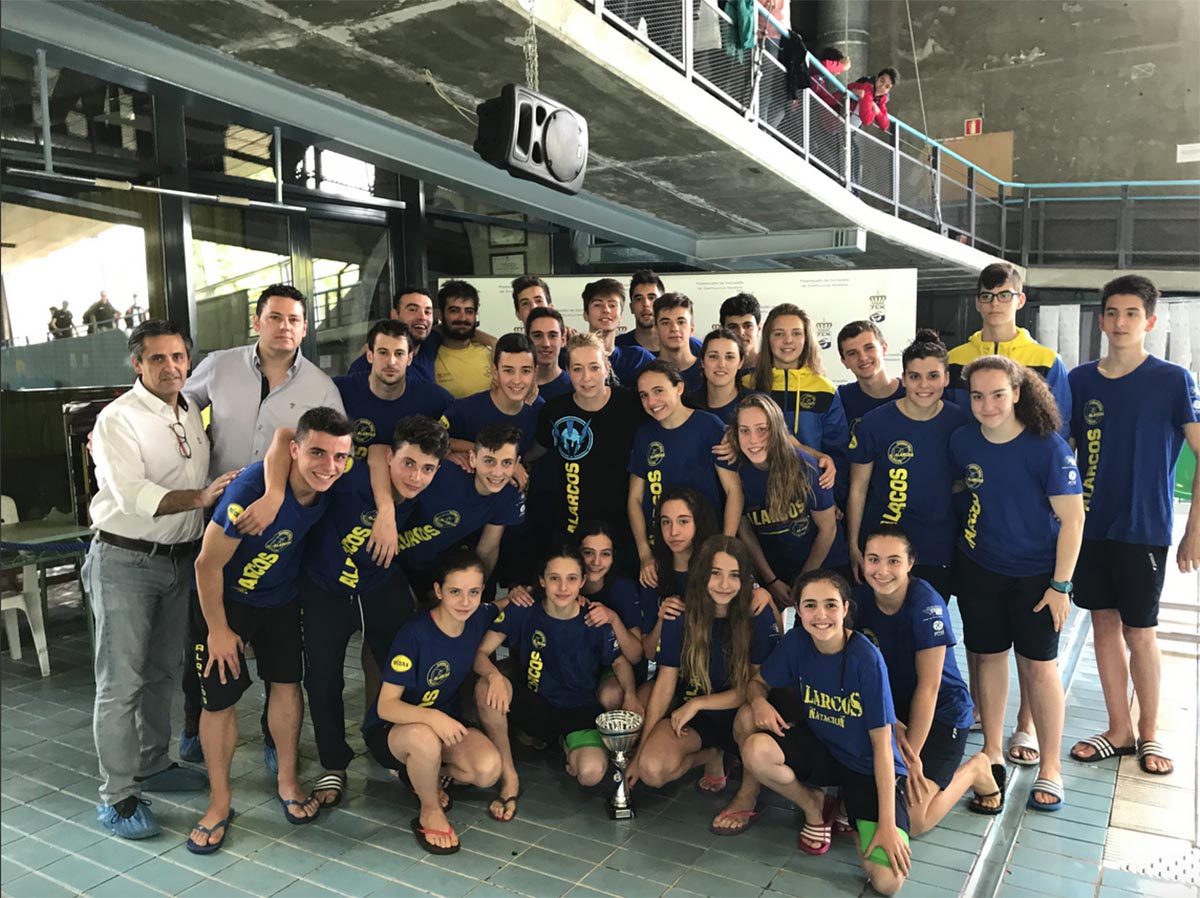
{"x": 887, "y": 296}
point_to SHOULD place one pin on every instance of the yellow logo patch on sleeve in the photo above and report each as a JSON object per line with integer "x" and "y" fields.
{"x": 402, "y": 664}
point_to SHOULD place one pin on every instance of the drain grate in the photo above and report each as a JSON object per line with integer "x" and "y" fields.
{"x": 1174, "y": 860}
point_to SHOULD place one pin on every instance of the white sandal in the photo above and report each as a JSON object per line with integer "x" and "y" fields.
{"x": 1021, "y": 739}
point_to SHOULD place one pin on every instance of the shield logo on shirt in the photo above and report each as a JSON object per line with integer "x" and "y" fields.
{"x": 438, "y": 674}
{"x": 900, "y": 452}
{"x": 368, "y": 518}
{"x": 446, "y": 520}
{"x": 364, "y": 431}
{"x": 1093, "y": 411}
{"x": 808, "y": 401}
{"x": 280, "y": 540}
{"x": 233, "y": 512}
{"x": 974, "y": 478}
{"x": 655, "y": 453}
{"x": 539, "y": 639}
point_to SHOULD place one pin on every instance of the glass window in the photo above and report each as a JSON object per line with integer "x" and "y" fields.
{"x": 351, "y": 287}
{"x": 235, "y": 254}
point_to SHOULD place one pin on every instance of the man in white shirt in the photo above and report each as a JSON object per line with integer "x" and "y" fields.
{"x": 286, "y": 385}
{"x": 152, "y": 461}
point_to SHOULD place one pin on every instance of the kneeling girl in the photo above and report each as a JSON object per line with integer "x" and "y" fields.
{"x": 415, "y": 726}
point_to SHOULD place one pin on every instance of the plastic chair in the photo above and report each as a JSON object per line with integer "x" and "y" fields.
{"x": 28, "y": 600}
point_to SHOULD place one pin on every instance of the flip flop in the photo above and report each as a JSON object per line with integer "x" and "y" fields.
{"x": 298, "y": 819}
{"x": 1049, "y": 787}
{"x": 211, "y": 847}
{"x": 1021, "y": 739}
{"x": 421, "y": 833}
{"x": 711, "y": 785}
{"x": 331, "y": 782}
{"x": 1102, "y": 750}
{"x": 1000, "y": 775}
{"x": 1148, "y": 748}
{"x": 822, "y": 834}
{"x": 835, "y": 814}
{"x": 748, "y": 817}
{"x": 512, "y": 799}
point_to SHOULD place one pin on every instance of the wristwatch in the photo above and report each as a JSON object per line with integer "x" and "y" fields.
{"x": 1063, "y": 586}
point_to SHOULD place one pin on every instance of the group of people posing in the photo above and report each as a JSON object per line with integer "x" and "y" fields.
{"x": 650, "y": 503}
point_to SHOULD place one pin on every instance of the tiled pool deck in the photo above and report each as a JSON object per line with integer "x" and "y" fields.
{"x": 562, "y": 842}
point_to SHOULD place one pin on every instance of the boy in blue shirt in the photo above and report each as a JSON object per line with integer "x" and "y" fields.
{"x": 377, "y": 399}
{"x": 742, "y": 314}
{"x": 603, "y": 306}
{"x": 414, "y": 309}
{"x": 1132, "y": 413}
{"x": 459, "y": 505}
{"x": 247, "y": 587}
{"x": 548, "y": 333}
{"x": 674, "y": 320}
{"x": 863, "y": 349}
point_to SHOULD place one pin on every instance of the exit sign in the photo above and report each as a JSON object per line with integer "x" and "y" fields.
{"x": 972, "y": 126}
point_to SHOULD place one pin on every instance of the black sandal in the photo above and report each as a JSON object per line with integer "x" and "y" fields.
{"x": 976, "y": 805}
{"x": 331, "y": 782}
{"x": 511, "y": 799}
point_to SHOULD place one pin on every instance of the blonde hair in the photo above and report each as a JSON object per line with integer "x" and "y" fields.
{"x": 810, "y": 357}
{"x": 586, "y": 341}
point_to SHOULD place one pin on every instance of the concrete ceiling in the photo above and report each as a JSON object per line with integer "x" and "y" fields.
{"x": 658, "y": 145}
{"x": 29, "y": 233}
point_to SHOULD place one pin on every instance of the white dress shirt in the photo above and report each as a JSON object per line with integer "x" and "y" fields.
{"x": 230, "y": 380}
{"x": 139, "y": 460}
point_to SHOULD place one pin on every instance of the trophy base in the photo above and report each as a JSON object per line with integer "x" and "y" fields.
{"x": 619, "y": 812}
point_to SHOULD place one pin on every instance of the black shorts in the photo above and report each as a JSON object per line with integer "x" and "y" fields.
{"x": 715, "y": 729}
{"x": 1127, "y": 577}
{"x": 376, "y": 740}
{"x": 942, "y": 753}
{"x": 815, "y": 765}
{"x": 997, "y": 612}
{"x": 534, "y": 716}
{"x": 278, "y": 651}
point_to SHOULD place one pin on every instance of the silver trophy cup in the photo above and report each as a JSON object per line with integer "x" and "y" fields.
{"x": 619, "y": 730}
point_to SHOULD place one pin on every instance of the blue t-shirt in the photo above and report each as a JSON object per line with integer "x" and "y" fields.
{"x": 335, "y": 556}
{"x": 449, "y": 511}
{"x": 624, "y": 597}
{"x": 560, "y": 660}
{"x": 693, "y": 377}
{"x": 467, "y": 416}
{"x": 263, "y": 569}
{"x": 374, "y": 419}
{"x": 698, "y": 399}
{"x": 845, "y": 695}
{"x": 430, "y": 664}
{"x": 421, "y": 369}
{"x": 922, "y": 622}
{"x": 651, "y": 599}
{"x": 629, "y": 338}
{"x": 786, "y": 542}
{"x": 1128, "y": 432}
{"x": 912, "y": 481}
{"x": 680, "y": 457}
{"x": 626, "y": 362}
{"x": 856, "y": 402}
{"x": 560, "y": 386}
{"x": 1010, "y": 527}
{"x": 763, "y": 639}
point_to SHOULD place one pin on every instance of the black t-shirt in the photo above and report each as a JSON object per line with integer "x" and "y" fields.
{"x": 588, "y": 453}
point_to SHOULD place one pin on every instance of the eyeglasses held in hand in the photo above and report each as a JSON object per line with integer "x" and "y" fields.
{"x": 181, "y": 437}
{"x": 1004, "y": 296}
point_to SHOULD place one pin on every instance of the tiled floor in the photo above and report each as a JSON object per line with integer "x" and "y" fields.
{"x": 561, "y": 844}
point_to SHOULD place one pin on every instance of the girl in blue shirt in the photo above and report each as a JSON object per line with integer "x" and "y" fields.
{"x": 900, "y": 470}
{"x": 790, "y": 523}
{"x": 559, "y": 658}
{"x": 674, "y": 448}
{"x": 1016, "y": 554}
{"x": 416, "y": 724}
{"x": 682, "y": 521}
{"x": 790, "y": 370}
{"x": 707, "y": 658}
{"x": 721, "y": 358}
{"x": 837, "y": 732}
{"x": 909, "y": 622}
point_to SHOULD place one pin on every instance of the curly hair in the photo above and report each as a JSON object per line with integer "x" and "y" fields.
{"x": 1035, "y": 406}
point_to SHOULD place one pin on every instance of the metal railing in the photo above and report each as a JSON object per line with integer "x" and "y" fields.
{"x": 1116, "y": 224}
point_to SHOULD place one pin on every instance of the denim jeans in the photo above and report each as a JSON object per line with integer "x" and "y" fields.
{"x": 140, "y": 603}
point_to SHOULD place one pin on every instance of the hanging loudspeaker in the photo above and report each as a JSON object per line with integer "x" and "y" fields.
{"x": 533, "y": 137}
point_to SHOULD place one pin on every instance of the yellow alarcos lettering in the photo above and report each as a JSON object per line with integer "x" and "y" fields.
{"x": 654, "y": 478}
{"x": 897, "y": 495}
{"x": 1093, "y": 464}
{"x": 970, "y": 532}
{"x": 417, "y": 535}
{"x": 534, "y": 677}
{"x": 429, "y": 699}
{"x": 571, "y": 470}
{"x": 255, "y": 568}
